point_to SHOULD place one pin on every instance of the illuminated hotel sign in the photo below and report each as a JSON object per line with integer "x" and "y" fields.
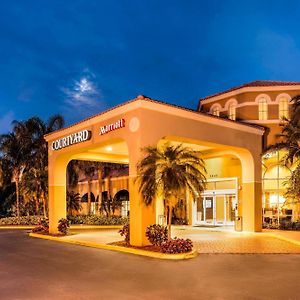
{"x": 71, "y": 139}
{"x": 111, "y": 127}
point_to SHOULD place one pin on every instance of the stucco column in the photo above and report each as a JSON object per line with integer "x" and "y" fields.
{"x": 57, "y": 192}
{"x": 252, "y": 206}
{"x": 251, "y": 194}
{"x": 141, "y": 215}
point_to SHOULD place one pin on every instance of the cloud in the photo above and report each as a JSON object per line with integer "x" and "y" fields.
{"x": 5, "y": 122}
{"x": 84, "y": 95}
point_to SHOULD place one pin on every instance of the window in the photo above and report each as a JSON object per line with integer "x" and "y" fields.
{"x": 232, "y": 112}
{"x": 262, "y": 109}
{"x": 216, "y": 111}
{"x": 283, "y": 108}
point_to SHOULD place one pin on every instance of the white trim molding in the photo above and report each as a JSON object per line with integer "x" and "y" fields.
{"x": 239, "y": 91}
{"x": 275, "y": 121}
{"x": 283, "y": 95}
{"x": 215, "y": 105}
{"x": 231, "y": 101}
{"x": 267, "y": 97}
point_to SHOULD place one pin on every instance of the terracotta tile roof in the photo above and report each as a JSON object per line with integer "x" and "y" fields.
{"x": 256, "y": 83}
{"x": 145, "y": 98}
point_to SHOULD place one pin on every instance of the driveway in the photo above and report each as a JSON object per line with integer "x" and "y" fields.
{"x": 224, "y": 240}
{"x": 31, "y": 268}
{"x": 205, "y": 240}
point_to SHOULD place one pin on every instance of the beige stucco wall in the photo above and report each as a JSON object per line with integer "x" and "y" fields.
{"x": 247, "y": 108}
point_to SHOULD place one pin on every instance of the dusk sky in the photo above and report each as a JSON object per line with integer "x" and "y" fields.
{"x": 78, "y": 58}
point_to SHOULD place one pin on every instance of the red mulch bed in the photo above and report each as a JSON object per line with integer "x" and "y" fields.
{"x": 146, "y": 248}
{"x": 51, "y": 234}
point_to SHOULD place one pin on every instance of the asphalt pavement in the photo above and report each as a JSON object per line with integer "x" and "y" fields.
{"x": 31, "y": 268}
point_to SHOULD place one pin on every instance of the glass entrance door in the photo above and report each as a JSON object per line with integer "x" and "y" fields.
{"x": 216, "y": 209}
{"x": 209, "y": 205}
{"x": 231, "y": 209}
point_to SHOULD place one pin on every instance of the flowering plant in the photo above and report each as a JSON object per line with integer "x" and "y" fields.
{"x": 177, "y": 246}
{"x": 125, "y": 231}
{"x": 157, "y": 234}
{"x": 63, "y": 226}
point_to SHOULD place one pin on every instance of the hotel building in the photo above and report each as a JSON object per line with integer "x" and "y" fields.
{"x": 230, "y": 128}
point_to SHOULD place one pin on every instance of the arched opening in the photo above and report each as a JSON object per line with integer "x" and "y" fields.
{"x": 122, "y": 197}
{"x": 215, "y": 110}
{"x": 219, "y": 204}
{"x": 283, "y": 108}
{"x": 94, "y": 175}
{"x": 84, "y": 204}
{"x": 231, "y": 106}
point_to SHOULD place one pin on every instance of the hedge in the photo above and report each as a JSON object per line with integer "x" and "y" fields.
{"x": 98, "y": 220}
{"x": 86, "y": 220}
{"x": 24, "y": 220}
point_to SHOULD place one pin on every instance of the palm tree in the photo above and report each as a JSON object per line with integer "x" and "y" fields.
{"x": 109, "y": 205}
{"x": 35, "y": 187}
{"x": 89, "y": 169}
{"x": 171, "y": 170}
{"x": 73, "y": 202}
{"x": 15, "y": 151}
{"x": 72, "y": 175}
{"x": 7, "y": 188}
{"x": 38, "y": 170}
{"x": 26, "y": 150}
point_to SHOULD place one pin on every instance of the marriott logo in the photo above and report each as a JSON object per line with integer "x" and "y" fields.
{"x": 113, "y": 126}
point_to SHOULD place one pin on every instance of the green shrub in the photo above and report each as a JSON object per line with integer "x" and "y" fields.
{"x": 289, "y": 225}
{"x": 157, "y": 234}
{"x": 25, "y": 220}
{"x": 177, "y": 246}
{"x": 63, "y": 226}
{"x": 98, "y": 220}
{"x": 125, "y": 231}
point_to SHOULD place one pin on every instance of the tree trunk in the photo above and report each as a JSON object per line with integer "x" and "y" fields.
{"x": 89, "y": 197}
{"x": 169, "y": 221}
{"x": 37, "y": 197}
{"x": 17, "y": 196}
{"x": 44, "y": 205}
{"x": 100, "y": 189}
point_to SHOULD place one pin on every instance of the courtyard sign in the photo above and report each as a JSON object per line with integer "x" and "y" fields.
{"x": 113, "y": 126}
{"x": 71, "y": 139}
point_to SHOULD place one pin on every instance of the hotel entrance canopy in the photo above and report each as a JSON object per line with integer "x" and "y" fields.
{"x": 118, "y": 135}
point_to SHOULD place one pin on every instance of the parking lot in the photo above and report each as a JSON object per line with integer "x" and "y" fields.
{"x": 31, "y": 268}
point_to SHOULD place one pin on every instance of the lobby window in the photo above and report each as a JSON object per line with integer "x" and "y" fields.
{"x": 232, "y": 112}
{"x": 262, "y": 109}
{"x": 216, "y": 111}
{"x": 283, "y": 108}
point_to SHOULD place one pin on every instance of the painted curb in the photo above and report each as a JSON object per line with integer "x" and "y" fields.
{"x": 17, "y": 227}
{"x": 159, "y": 255}
{"x": 96, "y": 226}
{"x": 283, "y": 238}
{"x": 71, "y": 227}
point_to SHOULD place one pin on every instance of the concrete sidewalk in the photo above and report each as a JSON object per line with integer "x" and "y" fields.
{"x": 210, "y": 240}
{"x": 226, "y": 240}
{"x": 291, "y": 236}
